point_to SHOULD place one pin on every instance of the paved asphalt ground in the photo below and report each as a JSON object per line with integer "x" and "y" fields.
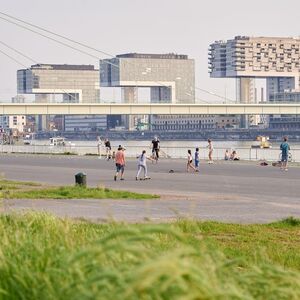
{"x": 226, "y": 191}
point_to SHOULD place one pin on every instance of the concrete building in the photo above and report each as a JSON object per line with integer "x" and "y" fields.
{"x": 226, "y": 121}
{"x": 17, "y": 123}
{"x": 285, "y": 121}
{"x": 76, "y": 84}
{"x": 18, "y": 99}
{"x": 170, "y": 77}
{"x": 245, "y": 58}
{"x": 4, "y": 123}
{"x": 183, "y": 122}
{"x": 85, "y": 123}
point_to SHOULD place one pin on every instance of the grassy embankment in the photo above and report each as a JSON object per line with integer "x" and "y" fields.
{"x": 43, "y": 257}
{"x": 29, "y": 190}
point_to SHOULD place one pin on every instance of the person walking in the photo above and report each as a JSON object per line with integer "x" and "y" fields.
{"x": 107, "y": 149}
{"x": 155, "y": 148}
{"x": 189, "y": 164}
{"x": 120, "y": 163}
{"x": 285, "y": 148}
{"x": 197, "y": 158}
{"x": 142, "y": 165}
{"x": 210, "y": 151}
{"x": 99, "y": 145}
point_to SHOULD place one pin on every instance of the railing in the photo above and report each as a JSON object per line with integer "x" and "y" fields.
{"x": 245, "y": 153}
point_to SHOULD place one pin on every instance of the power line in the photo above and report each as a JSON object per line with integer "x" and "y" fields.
{"x": 18, "y": 62}
{"x": 214, "y": 94}
{"x": 29, "y": 58}
{"x": 81, "y": 44}
{"x": 59, "y": 35}
{"x": 12, "y": 58}
{"x": 50, "y": 38}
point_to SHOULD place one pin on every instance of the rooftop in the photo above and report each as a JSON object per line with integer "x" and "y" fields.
{"x": 153, "y": 56}
{"x": 63, "y": 67}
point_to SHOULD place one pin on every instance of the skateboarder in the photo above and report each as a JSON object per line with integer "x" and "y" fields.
{"x": 142, "y": 165}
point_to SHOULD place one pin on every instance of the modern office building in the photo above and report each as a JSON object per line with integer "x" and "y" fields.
{"x": 170, "y": 77}
{"x": 183, "y": 122}
{"x": 85, "y": 123}
{"x": 285, "y": 121}
{"x": 76, "y": 84}
{"x": 276, "y": 59}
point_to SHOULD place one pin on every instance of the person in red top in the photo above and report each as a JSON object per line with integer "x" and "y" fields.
{"x": 120, "y": 162}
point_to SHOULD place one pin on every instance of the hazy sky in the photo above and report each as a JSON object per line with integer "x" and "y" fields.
{"x": 153, "y": 26}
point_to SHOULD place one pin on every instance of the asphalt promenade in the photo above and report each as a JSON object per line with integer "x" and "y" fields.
{"x": 226, "y": 191}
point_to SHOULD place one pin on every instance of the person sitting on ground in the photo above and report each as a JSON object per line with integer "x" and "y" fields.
{"x": 227, "y": 155}
{"x": 189, "y": 164}
{"x": 234, "y": 156}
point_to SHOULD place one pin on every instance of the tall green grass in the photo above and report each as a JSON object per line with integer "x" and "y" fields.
{"x": 43, "y": 257}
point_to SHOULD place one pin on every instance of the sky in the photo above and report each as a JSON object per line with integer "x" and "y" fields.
{"x": 156, "y": 26}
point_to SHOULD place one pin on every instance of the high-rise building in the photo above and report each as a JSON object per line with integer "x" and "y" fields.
{"x": 277, "y": 59}
{"x": 76, "y": 84}
{"x": 170, "y": 77}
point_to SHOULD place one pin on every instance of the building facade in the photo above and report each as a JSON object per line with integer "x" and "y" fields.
{"x": 277, "y": 59}
{"x": 170, "y": 77}
{"x": 183, "y": 122}
{"x": 76, "y": 84}
{"x": 17, "y": 123}
{"x": 85, "y": 123}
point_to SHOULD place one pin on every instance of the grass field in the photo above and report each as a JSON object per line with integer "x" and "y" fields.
{"x": 43, "y": 257}
{"x": 30, "y": 190}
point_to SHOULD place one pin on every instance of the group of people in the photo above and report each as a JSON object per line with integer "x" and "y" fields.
{"x": 119, "y": 158}
{"x": 231, "y": 155}
{"x": 195, "y": 167}
{"x": 120, "y": 161}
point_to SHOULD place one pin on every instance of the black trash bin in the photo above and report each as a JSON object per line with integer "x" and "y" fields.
{"x": 80, "y": 179}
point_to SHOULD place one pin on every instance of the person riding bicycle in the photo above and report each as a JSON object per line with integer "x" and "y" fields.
{"x": 155, "y": 148}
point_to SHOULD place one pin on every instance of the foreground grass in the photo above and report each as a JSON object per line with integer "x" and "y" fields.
{"x": 22, "y": 190}
{"x": 43, "y": 257}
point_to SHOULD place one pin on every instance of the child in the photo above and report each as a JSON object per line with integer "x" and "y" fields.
{"x": 197, "y": 159}
{"x": 210, "y": 151}
{"x": 142, "y": 159}
{"x": 189, "y": 164}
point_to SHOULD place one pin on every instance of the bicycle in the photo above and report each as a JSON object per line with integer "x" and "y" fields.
{"x": 290, "y": 157}
{"x": 155, "y": 155}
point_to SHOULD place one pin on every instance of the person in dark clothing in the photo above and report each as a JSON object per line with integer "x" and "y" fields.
{"x": 155, "y": 148}
{"x": 107, "y": 149}
{"x": 285, "y": 148}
